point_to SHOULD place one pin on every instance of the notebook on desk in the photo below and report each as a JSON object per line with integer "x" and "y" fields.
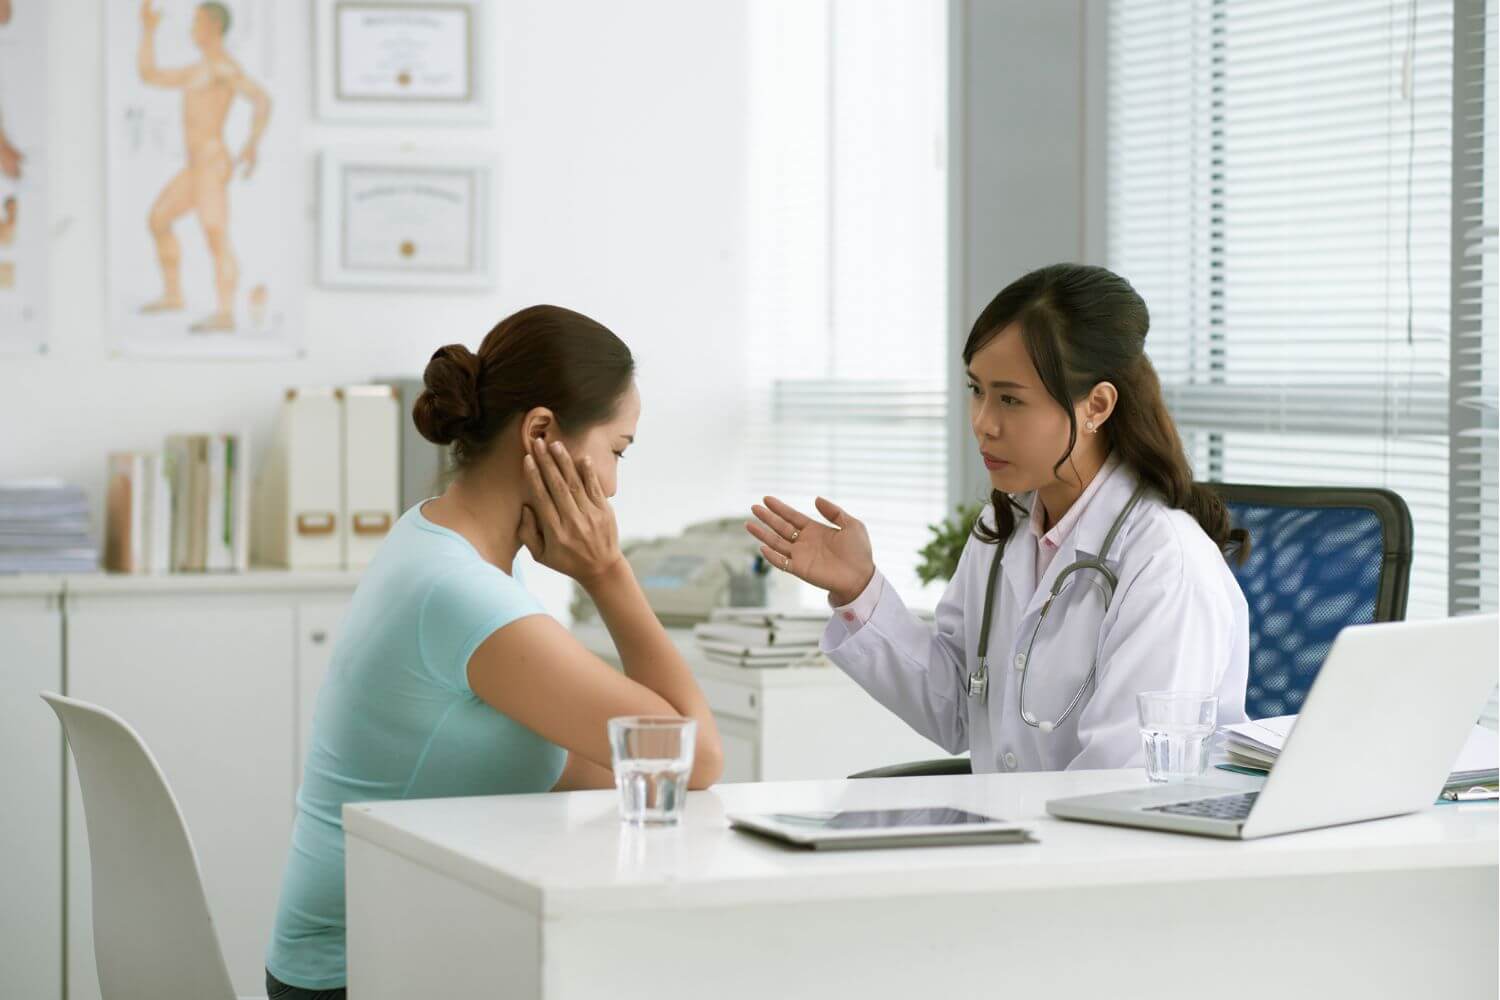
{"x": 1255, "y": 745}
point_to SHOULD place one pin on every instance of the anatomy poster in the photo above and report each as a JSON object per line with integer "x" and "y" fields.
{"x": 206, "y": 225}
{"x": 24, "y": 220}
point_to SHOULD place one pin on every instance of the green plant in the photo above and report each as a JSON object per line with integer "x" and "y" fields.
{"x": 940, "y": 556}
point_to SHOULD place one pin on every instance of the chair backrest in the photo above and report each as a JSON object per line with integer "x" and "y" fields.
{"x": 153, "y": 933}
{"x": 1320, "y": 558}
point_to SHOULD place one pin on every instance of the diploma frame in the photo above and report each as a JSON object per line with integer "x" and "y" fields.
{"x": 334, "y": 103}
{"x": 471, "y": 171}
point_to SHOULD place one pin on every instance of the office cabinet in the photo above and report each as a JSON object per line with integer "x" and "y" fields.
{"x": 31, "y": 760}
{"x": 317, "y": 623}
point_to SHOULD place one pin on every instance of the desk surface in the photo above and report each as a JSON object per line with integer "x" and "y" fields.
{"x": 568, "y": 853}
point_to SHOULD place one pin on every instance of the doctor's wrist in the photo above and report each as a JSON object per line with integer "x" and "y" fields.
{"x": 839, "y": 597}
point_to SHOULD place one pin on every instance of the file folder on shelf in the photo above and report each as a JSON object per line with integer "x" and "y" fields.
{"x": 299, "y": 492}
{"x": 372, "y": 488}
{"x": 424, "y": 466}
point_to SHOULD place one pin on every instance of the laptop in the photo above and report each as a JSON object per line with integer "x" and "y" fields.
{"x": 1386, "y": 717}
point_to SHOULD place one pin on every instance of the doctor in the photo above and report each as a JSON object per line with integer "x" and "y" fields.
{"x": 1096, "y": 571}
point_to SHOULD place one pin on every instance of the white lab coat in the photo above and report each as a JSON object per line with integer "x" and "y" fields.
{"x": 1178, "y": 621}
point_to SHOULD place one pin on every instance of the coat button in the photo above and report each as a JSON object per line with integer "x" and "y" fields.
{"x": 1020, "y": 661}
{"x": 1010, "y": 761}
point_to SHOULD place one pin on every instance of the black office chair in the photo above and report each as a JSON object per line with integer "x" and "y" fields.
{"x": 1321, "y": 558}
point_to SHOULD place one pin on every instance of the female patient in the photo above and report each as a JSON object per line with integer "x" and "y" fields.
{"x": 448, "y": 678}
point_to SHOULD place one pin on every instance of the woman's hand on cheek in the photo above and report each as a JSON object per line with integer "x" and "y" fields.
{"x": 567, "y": 523}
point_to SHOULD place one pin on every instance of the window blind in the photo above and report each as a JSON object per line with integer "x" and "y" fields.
{"x": 847, "y": 265}
{"x": 1279, "y": 192}
{"x": 1476, "y": 359}
{"x": 1475, "y": 452}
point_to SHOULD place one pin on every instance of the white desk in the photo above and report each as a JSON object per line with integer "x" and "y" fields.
{"x": 548, "y": 896}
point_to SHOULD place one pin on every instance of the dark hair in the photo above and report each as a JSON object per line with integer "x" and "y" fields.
{"x": 1084, "y": 325}
{"x": 219, "y": 13}
{"x": 541, "y": 356}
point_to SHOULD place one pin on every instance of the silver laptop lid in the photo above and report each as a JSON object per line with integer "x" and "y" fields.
{"x": 1389, "y": 712}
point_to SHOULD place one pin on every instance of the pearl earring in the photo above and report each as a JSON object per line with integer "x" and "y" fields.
{"x": 1090, "y": 426}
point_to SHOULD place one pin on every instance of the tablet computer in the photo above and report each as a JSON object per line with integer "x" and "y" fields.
{"x": 929, "y": 826}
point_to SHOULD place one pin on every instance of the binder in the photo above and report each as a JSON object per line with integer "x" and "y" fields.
{"x": 188, "y": 470}
{"x": 237, "y": 498}
{"x": 424, "y": 466}
{"x": 298, "y": 495}
{"x": 158, "y": 515}
{"x": 124, "y": 509}
{"x": 372, "y": 488}
{"x": 216, "y": 549}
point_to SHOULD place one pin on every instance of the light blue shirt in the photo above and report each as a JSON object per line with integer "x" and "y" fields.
{"x": 396, "y": 719}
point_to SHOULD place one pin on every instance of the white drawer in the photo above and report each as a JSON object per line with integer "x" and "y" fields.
{"x": 730, "y": 699}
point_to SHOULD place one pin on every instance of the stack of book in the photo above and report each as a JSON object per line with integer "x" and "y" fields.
{"x": 44, "y": 528}
{"x": 1255, "y": 745}
{"x": 185, "y": 509}
{"x": 759, "y": 637}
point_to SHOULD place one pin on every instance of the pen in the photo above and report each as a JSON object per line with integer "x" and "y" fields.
{"x": 1477, "y": 793}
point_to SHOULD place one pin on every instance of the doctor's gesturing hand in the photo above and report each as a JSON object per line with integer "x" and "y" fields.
{"x": 838, "y": 559}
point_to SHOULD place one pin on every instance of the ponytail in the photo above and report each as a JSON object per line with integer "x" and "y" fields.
{"x": 1084, "y": 325}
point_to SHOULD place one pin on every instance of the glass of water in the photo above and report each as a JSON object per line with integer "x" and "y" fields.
{"x": 653, "y": 756}
{"x": 1176, "y": 729}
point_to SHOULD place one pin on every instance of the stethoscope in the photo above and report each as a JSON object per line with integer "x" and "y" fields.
{"x": 979, "y": 680}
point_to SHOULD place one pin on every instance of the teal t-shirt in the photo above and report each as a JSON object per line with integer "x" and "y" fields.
{"x": 395, "y": 719}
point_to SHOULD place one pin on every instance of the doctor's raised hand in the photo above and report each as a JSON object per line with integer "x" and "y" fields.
{"x": 836, "y": 558}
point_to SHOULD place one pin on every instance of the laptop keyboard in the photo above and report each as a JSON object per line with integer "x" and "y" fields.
{"x": 1218, "y": 807}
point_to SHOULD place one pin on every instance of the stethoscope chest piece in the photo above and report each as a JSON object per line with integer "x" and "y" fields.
{"x": 979, "y": 682}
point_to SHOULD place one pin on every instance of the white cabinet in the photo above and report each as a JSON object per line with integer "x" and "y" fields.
{"x": 317, "y": 621}
{"x": 789, "y": 723}
{"x": 213, "y": 673}
{"x": 31, "y": 755}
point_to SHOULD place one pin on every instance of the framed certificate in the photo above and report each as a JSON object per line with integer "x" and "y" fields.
{"x": 406, "y": 218}
{"x": 403, "y": 60}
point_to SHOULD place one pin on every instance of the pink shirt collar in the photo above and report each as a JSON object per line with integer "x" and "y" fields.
{"x": 1050, "y": 541}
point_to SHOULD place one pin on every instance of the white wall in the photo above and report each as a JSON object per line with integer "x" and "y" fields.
{"x": 1025, "y": 182}
{"x": 620, "y": 131}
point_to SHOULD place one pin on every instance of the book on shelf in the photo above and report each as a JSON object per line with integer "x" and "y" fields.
{"x": 138, "y": 514}
{"x": 183, "y": 509}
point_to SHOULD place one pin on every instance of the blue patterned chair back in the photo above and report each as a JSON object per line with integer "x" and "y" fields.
{"x": 1320, "y": 558}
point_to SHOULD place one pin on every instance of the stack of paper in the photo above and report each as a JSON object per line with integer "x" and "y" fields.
{"x": 1256, "y": 744}
{"x": 759, "y": 637}
{"x": 44, "y": 528}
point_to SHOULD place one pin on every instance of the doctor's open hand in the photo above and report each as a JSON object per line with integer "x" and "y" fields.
{"x": 837, "y": 559}
{"x": 567, "y": 523}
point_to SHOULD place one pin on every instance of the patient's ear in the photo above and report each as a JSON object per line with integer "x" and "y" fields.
{"x": 538, "y": 423}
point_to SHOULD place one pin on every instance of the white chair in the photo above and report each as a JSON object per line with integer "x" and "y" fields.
{"x": 153, "y": 934}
